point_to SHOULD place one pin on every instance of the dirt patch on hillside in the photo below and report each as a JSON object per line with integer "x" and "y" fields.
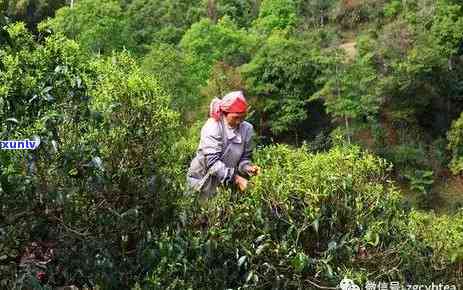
{"x": 350, "y": 49}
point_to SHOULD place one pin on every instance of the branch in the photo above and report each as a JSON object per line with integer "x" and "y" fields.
{"x": 82, "y": 234}
{"x": 319, "y": 286}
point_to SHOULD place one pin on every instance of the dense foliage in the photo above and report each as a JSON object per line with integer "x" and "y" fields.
{"x": 282, "y": 75}
{"x": 30, "y": 11}
{"x": 331, "y": 215}
{"x": 98, "y": 26}
{"x": 115, "y": 93}
{"x": 455, "y": 137}
{"x": 89, "y": 186}
{"x": 161, "y": 21}
{"x": 206, "y": 43}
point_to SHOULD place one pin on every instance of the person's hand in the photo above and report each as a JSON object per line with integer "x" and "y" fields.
{"x": 253, "y": 170}
{"x": 241, "y": 182}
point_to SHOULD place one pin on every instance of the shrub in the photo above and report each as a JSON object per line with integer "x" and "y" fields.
{"x": 308, "y": 218}
{"x": 421, "y": 181}
{"x": 433, "y": 252}
{"x": 42, "y": 84}
{"x": 118, "y": 171}
{"x": 107, "y": 172}
{"x": 455, "y": 138}
{"x": 408, "y": 156}
{"x": 305, "y": 214}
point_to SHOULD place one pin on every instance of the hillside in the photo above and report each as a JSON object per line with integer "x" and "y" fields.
{"x": 357, "y": 108}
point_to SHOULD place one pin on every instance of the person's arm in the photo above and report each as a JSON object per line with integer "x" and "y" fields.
{"x": 212, "y": 147}
{"x": 245, "y": 161}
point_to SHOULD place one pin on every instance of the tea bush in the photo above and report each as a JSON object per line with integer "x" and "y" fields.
{"x": 42, "y": 80}
{"x": 307, "y": 217}
{"x": 433, "y": 252}
{"x": 119, "y": 171}
{"x": 106, "y": 175}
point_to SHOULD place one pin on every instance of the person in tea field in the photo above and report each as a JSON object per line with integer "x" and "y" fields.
{"x": 225, "y": 149}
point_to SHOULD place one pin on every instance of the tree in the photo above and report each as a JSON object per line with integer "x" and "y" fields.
{"x": 29, "y": 85}
{"x": 168, "y": 65}
{"x": 276, "y": 14}
{"x": 282, "y": 76}
{"x": 351, "y": 91}
{"x": 161, "y": 21}
{"x": 350, "y": 13}
{"x": 206, "y": 43}
{"x": 223, "y": 79}
{"x": 30, "y": 11}
{"x": 446, "y": 27}
{"x": 418, "y": 54}
{"x": 243, "y": 13}
{"x": 99, "y": 26}
{"x": 315, "y": 12}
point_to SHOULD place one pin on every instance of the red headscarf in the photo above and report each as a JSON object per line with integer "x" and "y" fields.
{"x": 233, "y": 102}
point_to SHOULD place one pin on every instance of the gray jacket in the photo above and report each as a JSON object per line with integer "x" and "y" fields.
{"x": 222, "y": 153}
